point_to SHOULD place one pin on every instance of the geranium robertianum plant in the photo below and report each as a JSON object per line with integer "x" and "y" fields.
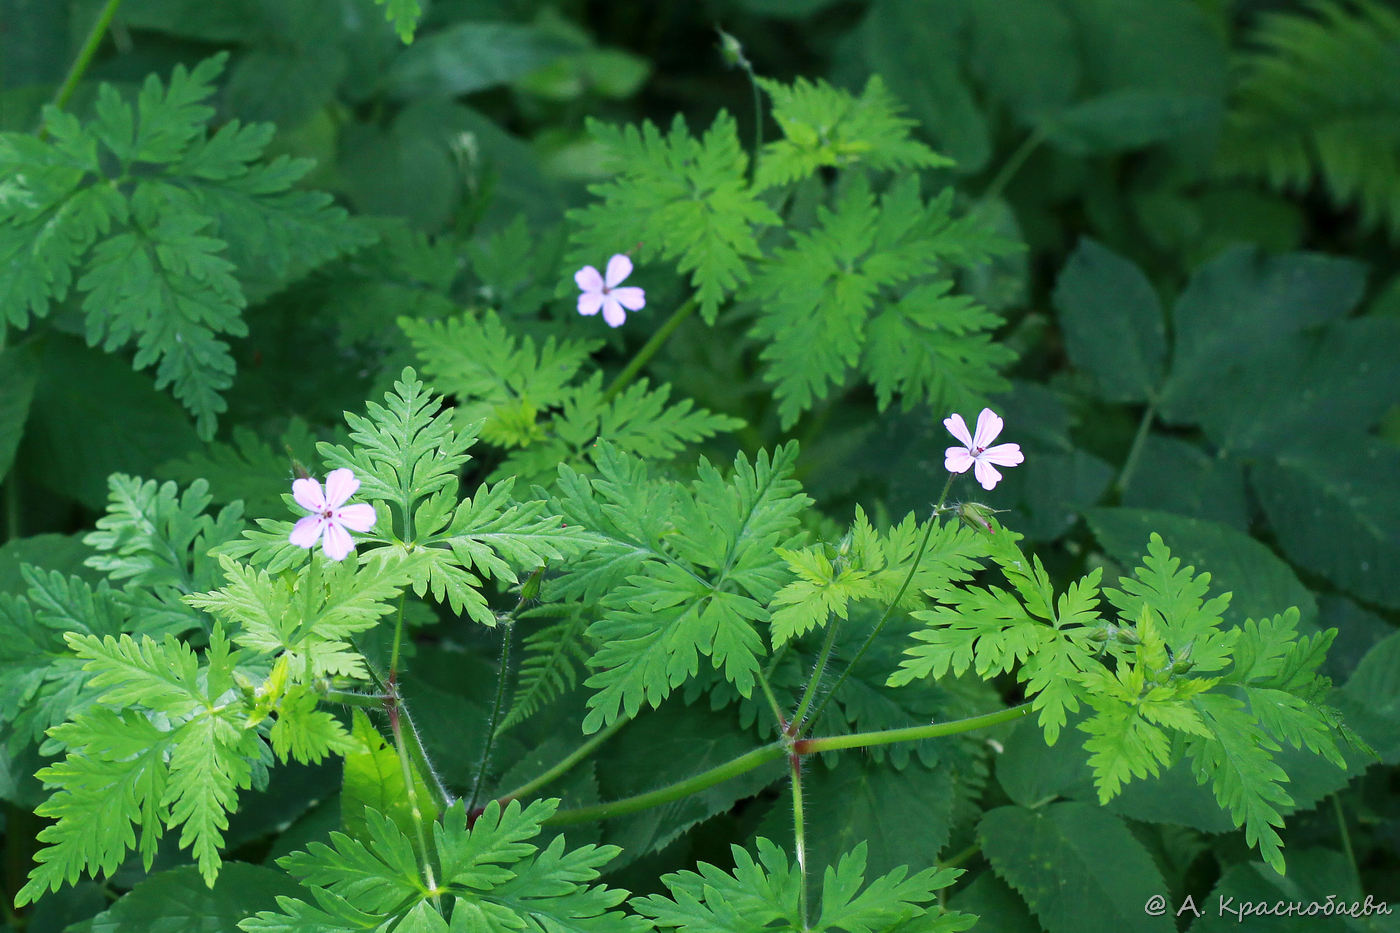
{"x": 510, "y": 647}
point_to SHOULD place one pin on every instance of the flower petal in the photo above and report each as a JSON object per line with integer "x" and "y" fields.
{"x": 307, "y": 492}
{"x": 988, "y": 427}
{"x": 305, "y": 532}
{"x": 336, "y": 541}
{"x": 1004, "y": 455}
{"x": 958, "y": 428}
{"x": 631, "y": 297}
{"x": 589, "y": 303}
{"x": 340, "y": 485}
{"x": 957, "y": 460}
{"x": 613, "y": 313}
{"x": 589, "y": 279}
{"x": 357, "y": 517}
{"x": 986, "y": 474}
{"x": 619, "y": 268}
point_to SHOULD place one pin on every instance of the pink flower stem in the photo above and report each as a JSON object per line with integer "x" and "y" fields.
{"x": 649, "y": 349}
{"x": 797, "y": 724}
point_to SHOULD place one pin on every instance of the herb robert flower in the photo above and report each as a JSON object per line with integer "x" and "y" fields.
{"x": 600, "y": 292}
{"x": 330, "y": 516}
{"x": 975, "y": 452}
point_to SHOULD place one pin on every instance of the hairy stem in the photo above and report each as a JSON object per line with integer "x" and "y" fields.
{"x": 772, "y": 752}
{"x": 85, "y": 54}
{"x": 772, "y": 700}
{"x": 884, "y": 617}
{"x": 400, "y": 746}
{"x": 506, "y": 638}
{"x": 1346, "y": 837}
{"x": 579, "y": 754}
{"x": 649, "y": 349}
{"x": 352, "y": 698}
{"x": 799, "y": 835}
{"x": 1130, "y": 464}
{"x": 817, "y": 672}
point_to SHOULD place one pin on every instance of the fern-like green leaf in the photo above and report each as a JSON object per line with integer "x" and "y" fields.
{"x": 682, "y": 572}
{"x": 868, "y": 289}
{"x": 826, "y": 127}
{"x": 150, "y": 216}
{"x": 764, "y": 894}
{"x": 1318, "y": 100}
{"x": 683, "y": 199}
{"x": 553, "y": 658}
{"x": 493, "y": 877}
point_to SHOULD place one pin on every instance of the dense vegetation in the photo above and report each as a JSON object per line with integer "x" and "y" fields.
{"x": 517, "y": 465}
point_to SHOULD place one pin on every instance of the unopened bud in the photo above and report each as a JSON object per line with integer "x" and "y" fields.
{"x": 732, "y": 51}
{"x": 976, "y": 515}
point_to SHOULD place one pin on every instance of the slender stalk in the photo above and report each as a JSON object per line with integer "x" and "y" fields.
{"x": 649, "y": 348}
{"x": 506, "y": 638}
{"x": 398, "y": 640}
{"x": 1013, "y": 164}
{"x": 799, "y": 836}
{"x": 420, "y": 758}
{"x": 910, "y": 733}
{"x": 85, "y": 54}
{"x": 772, "y": 752}
{"x": 1346, "y": 837}
{"x": 954, "y": 861}
{"x": 772, "y": 700}
{"x": 1130, "y": 464}
{"x": 874, "y": 632}
{"x": 691, "y": 785}
{"x": 401, "y": 747}
{"x": 817, "y": 672}
{"x": 530, "y": 787}
{"x": 351, "y": 698}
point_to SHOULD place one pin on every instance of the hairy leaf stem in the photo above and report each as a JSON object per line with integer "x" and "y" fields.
{"x": 799, "y": 835}
{"x": 401, "y": 747}
{"x": 772, "y": 752}
{"x": 507, "y": 637}
{"x": 813, "y": 681}
{"x": 884, "y": 617}
{"x": 85, "y": 54}
{"x": 1130, "y": 464}
{"x": 583, "y": 751}
{"x": 649, "y": 348}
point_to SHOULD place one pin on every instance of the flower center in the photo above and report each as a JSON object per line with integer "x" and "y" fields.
{"x": 328, "y": 514}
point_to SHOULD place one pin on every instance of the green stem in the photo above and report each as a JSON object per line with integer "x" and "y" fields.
{"x": 1346, "y": 837}
{"x": 85, "y": 54}
{"x": 649, "y": 349}
{"x": 401, "y": 747}
{"x": 909, "y": 578}
{"x": 799, "y": 836}
{"x": 1130, "y": 464}
{"x": 691, "y": 785}
{"x": 529, "y": 788}
{"x": 910, "y": 733}
{"x": 772, "y": 700}
{"x": 506, "y": 638}
{"x": 772, "y": 752}
{"x": 351, "y": 698}
{"x": 410, "y": 737}
{"x": 1013, "y": 164}
{"x": 955, "y": 860}
{"x": 817, "y": 672}
{"x": 398, "y": 640}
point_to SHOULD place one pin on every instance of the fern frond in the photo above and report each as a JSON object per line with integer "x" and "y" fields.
{"x": 1319, "y": 99}
{"x": 553, "y": 657}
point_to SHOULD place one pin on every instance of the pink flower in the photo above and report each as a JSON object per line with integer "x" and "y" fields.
{"x": 603, "y": 293}
{"x": 330, "y": 516}
{"x": 976, "y": 453}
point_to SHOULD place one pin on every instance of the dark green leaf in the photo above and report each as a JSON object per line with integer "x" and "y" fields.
{"x": 178, "y": 901}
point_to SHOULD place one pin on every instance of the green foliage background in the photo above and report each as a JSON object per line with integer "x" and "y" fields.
{"x": 1157, "y": 236}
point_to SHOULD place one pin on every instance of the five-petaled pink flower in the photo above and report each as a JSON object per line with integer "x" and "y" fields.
{"x": 601, "y": 292}
{"x": 330, "y": 516}
{"x": 975, "y": 453}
